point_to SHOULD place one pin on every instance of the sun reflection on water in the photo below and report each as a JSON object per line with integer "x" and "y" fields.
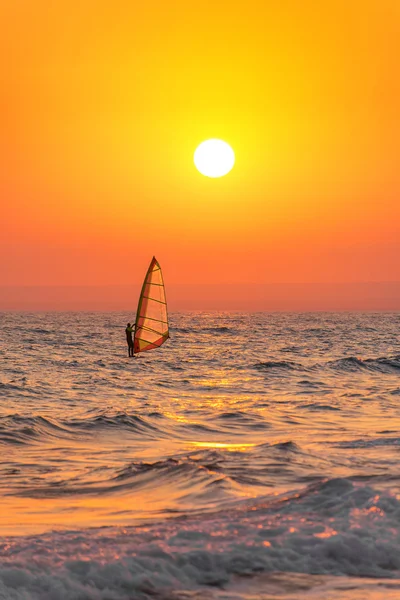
{"x": 223, "y": 445}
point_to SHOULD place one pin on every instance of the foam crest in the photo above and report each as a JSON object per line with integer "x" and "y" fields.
{"x": 333, "y": 527}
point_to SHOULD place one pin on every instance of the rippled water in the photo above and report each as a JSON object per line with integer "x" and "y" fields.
{"x": 253, "y": 456}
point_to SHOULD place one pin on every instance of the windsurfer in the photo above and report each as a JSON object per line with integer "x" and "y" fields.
{"x": 129, "y": 331}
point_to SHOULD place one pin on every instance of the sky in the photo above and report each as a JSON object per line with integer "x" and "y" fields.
{"x": 102, "y": 105}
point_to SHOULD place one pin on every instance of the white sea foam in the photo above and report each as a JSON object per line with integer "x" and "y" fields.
{"x": 334, "y": 527}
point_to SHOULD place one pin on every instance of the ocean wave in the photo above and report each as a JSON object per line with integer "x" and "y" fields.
{"x": 218, "y": 330}
{"x": 294, "y": 349}
{"x": 279, "y": 365}
{"x": 41, "y": 331}
{"x": 202, "y": 427}
{"x": 318, "y": 406}
{"x": 208, "y": 460}
{"x": 16, "y": 429}
{"x": 239, "y": 419}
{"x": 389, "y": 364}
{"x": 368, "y": 443}
{"x": 182, "y": 330}
{"x": 317, "y": 330}
{"x": 286, "y": 446}
{"x": 132, "y": 422}
{"x": 190, "y": 475}
{"x": 5, "y": 388}
{"x": 333, "y": 527}
{"x": 348, "y": 364}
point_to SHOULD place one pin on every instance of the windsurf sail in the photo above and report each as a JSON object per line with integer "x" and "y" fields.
{"x": 151, "y": 329}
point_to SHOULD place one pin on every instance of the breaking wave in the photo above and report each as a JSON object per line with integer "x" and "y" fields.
{"x": 332, "y": 527}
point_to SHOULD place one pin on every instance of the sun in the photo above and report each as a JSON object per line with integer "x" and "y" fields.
{"x": 214, "y": 158}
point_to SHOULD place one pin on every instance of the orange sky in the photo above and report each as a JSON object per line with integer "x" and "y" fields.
{"x": 103, "y": 104}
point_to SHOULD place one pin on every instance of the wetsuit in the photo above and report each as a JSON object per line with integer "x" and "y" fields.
{"x": 129, "y": 331}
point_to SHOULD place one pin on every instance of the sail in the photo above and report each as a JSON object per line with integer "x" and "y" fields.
{"x": 151, "y": 329}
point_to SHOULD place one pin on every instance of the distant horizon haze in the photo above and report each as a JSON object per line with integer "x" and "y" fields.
{"x": 308, "y": 297}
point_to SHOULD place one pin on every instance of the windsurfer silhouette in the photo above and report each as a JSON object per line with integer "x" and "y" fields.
{"x": 129, "y": 331}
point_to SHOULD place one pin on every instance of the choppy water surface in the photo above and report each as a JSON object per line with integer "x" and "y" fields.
{"x": 253, "y": 456}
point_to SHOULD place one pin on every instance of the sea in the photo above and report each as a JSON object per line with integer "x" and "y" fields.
{"x": 253, "y": 456}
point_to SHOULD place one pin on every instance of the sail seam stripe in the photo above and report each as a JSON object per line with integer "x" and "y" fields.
{"x": 155, "y": 300}
{"x": 151, "y": 319}
{"x": 152, "y": 330}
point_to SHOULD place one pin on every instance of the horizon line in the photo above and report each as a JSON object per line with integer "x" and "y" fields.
{"x": 80, "y": 285}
